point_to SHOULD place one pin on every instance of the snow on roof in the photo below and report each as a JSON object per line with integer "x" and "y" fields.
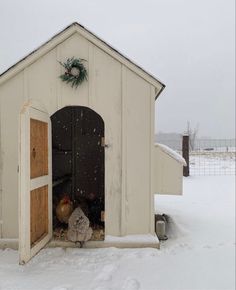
{"x": 172, "y": 153}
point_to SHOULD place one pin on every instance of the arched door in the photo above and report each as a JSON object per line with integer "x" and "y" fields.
{"x": 78, "y": 156}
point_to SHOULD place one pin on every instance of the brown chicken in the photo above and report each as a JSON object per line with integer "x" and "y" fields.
{"x": 64, "y": 209}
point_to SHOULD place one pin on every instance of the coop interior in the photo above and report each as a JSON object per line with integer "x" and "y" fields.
{"x": 78, "y": 174}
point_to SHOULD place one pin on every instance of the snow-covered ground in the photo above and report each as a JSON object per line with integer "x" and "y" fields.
{"x": 212, "y": 163}
{"x": 198, "y": 255}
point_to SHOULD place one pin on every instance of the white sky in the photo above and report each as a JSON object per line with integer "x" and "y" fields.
{"x": 188, "y": 44}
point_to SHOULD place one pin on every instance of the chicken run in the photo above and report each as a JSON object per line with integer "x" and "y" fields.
{"x": 78, "y": 175}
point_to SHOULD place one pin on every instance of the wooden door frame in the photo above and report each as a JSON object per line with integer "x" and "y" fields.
{"x": 32, "y": 109}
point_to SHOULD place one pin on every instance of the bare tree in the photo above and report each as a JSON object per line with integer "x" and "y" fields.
{"x": 192, "y": 133}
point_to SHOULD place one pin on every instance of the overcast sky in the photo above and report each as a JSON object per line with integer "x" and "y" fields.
{"x": 187, "y": 44}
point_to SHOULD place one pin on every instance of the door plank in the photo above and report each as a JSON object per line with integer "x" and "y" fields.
{"x": 38, "y": 214}
{"x": 38, "y": 148}
{"x": 35, "y": 180}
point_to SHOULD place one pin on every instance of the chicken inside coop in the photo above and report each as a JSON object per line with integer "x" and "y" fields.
{"x": 78, "y": 175}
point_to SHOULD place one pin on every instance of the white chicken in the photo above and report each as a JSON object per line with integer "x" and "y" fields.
{"x": 78, "y": 227}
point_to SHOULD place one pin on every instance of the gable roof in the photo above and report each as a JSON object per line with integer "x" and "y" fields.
{"x": 66, "y": 33}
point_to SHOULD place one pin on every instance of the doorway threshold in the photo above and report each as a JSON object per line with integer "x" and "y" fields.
{"x": 131, "y": 241}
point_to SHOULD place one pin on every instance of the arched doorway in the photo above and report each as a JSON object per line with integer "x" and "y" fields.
{"x": 78, "y": 165}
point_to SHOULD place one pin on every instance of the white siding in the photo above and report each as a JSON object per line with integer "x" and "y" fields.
{"x": 137, "y": 207}
{"x": 11, "y": 102}
{"x": 41, "y": 80}
{"x": 126, "y": 103}
{"x": 107, "y": 102}
{"x": 168, "y": 174}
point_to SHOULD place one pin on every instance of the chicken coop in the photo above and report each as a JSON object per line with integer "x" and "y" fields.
{"x": 77, "y": 130}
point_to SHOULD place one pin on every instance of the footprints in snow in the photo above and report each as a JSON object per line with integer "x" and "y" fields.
{"x": 62, "y": 288}
{"x": 106, "y": 275}
{"x": 130, "y": 284}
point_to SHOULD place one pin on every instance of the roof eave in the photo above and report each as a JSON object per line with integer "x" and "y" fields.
{"x": 160, "y": 91}
{"x": 62, "y": 36}
{"x": 37, "y": 52}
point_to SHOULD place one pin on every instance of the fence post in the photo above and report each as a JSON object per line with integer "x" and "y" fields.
{"x": 185, "y": 153}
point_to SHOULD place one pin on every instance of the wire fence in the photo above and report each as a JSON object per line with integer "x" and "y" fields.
{"x": 213, "y": 157}
{"x": 208, "y": 156}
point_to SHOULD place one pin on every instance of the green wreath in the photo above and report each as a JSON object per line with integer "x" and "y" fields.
{"x": 75, "y": 72}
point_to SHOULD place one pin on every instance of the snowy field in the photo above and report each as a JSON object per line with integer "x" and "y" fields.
{"x": 212, "y": 163}
{"x": 199, "y": 253}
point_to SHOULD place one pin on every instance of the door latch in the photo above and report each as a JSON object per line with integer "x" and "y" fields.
{"x": 103, "y": 144}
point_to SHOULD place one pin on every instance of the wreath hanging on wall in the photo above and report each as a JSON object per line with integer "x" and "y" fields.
{"x": 75, "y": 72}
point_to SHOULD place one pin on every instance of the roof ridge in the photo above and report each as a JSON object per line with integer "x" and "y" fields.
{"x": 76, "y": 24}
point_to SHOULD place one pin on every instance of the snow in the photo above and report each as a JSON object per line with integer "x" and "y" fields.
{"x": 133, "y": 239}
{"x": 172, "y": 153}
{"x": 199, "y": 253}
{"x": 213, "y": 163}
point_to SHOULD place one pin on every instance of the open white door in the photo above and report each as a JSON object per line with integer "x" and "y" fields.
{"x": 35, "y": 197}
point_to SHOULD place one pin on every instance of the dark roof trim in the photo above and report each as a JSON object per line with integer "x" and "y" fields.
{"x": 161, "y": 90}
{"x": 36, "y": 49}
{"x": 111, "y": 47}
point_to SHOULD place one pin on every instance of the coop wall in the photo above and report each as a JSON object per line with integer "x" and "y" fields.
{"x": 124, "y": 100}
{"x": 168, "y": 174}
{"x": 11, "y": 100}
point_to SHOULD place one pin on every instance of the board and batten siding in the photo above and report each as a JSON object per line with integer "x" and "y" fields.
{"x": 138, "y": 150}
{"x": 11, "y": 101}
{"x": 168, "y": 173}
{"x": 123, "y": 99}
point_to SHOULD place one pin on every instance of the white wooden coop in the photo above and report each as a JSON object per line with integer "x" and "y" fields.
{"x": 118, "y": 101}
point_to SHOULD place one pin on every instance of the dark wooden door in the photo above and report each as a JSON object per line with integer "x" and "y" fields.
{"x": 78, "y": 152}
